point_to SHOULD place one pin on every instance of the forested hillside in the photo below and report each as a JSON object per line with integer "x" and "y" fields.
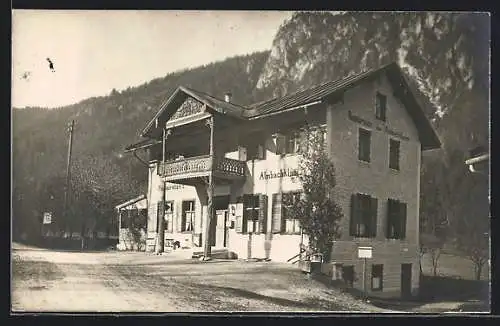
{"x": 102, "y": 176}
{"x": 446, "y": 57}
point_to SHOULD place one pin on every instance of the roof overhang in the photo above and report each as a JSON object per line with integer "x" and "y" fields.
{"x": 427, "y": 135}
{"x": 478, "y": 159}
{"x": 212, "y": 105}
{"x": 130, "y": 202}
{"x": 144, "y": 144}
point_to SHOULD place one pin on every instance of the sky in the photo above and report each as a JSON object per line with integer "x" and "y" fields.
{"x": 96, "y": 51}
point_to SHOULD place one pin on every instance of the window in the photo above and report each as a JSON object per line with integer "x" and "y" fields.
{"x": 288, "y": 143}
{"x": 256, "y": 151}
{"x": 363, "y": 222}
{"x": 251, "y": 207}
{"x": 396, "y": 219}
{"x": 142, "y": 218}
{"x": 292, "y": 225}
{"x": 124, "y": 219}
{"x": 364, "y": 145}
{"x": 348, "y": 275}
{"x": 394, "y": 154}
{"x": 187, "y": 216}
{"x": 380, "y": 106}
{"x": 169, "y": 208}
{"x": 169, "y": 216}
{"x": 377, "y": 277}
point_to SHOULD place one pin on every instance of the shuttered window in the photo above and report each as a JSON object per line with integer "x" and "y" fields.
{"x": 292, "y": 225}
{"x": 282, "y": 219}
{"x": 380, "y": 106}
{"x": 364, "y": 143}
{"x": 394, "y": 146}
{"x": 396, "y": 219}
{"x": 363, "y": 223}
{"x": 251, "y": 207}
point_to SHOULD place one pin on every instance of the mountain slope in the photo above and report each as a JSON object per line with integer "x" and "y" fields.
{"x": 445, "y": 56}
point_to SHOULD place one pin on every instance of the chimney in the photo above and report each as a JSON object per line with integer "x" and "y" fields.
{"x": 227, "y": 97}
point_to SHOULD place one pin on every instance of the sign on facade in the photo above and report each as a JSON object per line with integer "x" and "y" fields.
{"x": 47, "y": 218}
{"x": 365, "y": 252}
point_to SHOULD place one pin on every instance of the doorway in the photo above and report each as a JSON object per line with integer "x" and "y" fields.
{"x": 218, "y": 229}
{"x": 406, "y": 280}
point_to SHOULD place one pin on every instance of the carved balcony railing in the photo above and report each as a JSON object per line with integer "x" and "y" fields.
{"x": 198, "y": 166}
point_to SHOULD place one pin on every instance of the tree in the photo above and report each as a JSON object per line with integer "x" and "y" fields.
{"x": 317, "y": 209}
{"x": 432, "y": 245}
{"x": 472, "y": 227}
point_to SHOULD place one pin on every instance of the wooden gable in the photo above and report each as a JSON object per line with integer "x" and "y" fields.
{"x": 189, "y": 107}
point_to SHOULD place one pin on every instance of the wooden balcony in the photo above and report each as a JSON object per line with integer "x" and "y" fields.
{"x": 199, "y": 166}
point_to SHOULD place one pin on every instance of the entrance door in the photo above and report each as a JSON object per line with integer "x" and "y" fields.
{"x": 220, "y": 230}
{"x": 405, "y": 280}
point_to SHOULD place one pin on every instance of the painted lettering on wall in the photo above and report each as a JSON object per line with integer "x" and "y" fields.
{"x": 392, "y": 132}
{"x": 355, "y": 118}
{"x": 266, "y": 175}
{"x": 359, "y": 120}
{"x": 174, "y": 187}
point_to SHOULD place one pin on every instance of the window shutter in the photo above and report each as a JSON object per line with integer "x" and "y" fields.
{"x": 402, "y": 219}
{"x": 178, "y": 216}
{"x": 276, "y": 214}
{"x": 373, "y": 221}
{"x": 171, "y": 218}
{"x": 244, "y": 226}
{"x": 159, "y": 207}
{"x": 238, "y": 223}
{"x": 354, "y": 214}
{"x": 390, "y": 213}
{"x": 262, "y": 214}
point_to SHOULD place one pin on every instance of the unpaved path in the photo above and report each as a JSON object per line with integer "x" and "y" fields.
{"x": 63, "y": 281}
{"x": 45, "y": 280}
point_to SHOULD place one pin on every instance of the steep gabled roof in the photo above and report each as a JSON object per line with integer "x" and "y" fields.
{"x": 313, "y": 94}
{"x": 182, "y": 92}
{"x": 427, "y": 135}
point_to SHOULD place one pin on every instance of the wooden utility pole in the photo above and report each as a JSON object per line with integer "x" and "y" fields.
{"x": 161, "y": 216}
{"x": 68, "y": 171}
{"x": 210, "y": 191}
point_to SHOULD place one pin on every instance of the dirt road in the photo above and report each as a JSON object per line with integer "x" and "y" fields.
{"x": 46, "y": 280}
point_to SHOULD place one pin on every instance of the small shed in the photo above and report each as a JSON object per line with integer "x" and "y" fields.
{"x": 132, "y": 223}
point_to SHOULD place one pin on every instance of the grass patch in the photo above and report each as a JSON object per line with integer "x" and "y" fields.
{"x": 436, "y": 288}
{"x": 35, "y": 270}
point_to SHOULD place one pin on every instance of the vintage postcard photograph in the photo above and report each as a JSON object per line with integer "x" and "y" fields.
{"x": 250, "y": 161}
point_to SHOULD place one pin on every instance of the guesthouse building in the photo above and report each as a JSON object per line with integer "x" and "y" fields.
{"x": 243, "y": 160}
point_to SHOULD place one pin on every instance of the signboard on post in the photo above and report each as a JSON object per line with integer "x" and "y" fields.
{"x": 365, "y": 252}
{"x": 47, "y": 218}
